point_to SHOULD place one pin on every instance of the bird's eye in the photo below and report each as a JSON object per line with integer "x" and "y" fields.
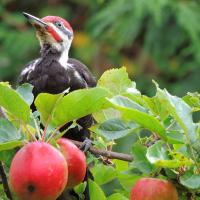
{"x": 58, "y": 24}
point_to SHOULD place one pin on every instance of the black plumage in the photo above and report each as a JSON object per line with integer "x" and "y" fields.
{"x": 46, "y": 74}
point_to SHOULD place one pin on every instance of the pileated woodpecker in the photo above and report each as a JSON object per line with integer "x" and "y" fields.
{"x": 53, "y": 72}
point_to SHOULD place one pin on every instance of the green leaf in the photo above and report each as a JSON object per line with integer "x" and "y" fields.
{"x": 107, "y": 174}
{"x": 46, "y": 103}
{"x": 126, "y": 102}
{"x": 120, "y": 165}
{"x": 25, "y": 91}
{"x": 11, "y": 144}
{"x": 175, "y": 137}
{"x": 114, "y": 129}
{"x": 78, "y": 104}
{"x": 155, "y": 107}
{"x": 193, "y": 100}
{"x": 145, "y": 120}
{"x": 12, "y": 102}
{"x": 127, "y": 180}
{"x": 10, "y": 137}
{"x": 117, "y": 196}
{"x": 106, "y": 114}
{"x": 2, "y": 193}
{"x": 140, "y": 160}
{"x": 115, "y": 80}
{"x": 157, "y": 154}
{"x": 79, "y": 189}
{"x": 96, "y": 192}
{"x": 190, "y": 180}
{"x": 181, "y": 112}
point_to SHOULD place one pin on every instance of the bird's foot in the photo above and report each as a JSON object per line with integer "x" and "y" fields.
{"x": 87, "y": 143}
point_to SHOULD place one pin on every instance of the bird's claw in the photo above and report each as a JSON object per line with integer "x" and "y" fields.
{"x": 87, "y": 143}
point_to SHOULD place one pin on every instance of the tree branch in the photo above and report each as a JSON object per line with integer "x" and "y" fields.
{"x": 108, "y": 154}
{"x": 5, "y": 182}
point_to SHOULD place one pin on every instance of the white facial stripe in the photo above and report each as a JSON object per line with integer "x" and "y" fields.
{"x": 63, "y": 47}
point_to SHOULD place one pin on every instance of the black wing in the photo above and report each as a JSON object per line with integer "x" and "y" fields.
{"x": 83, "y": 71}
{"x": 23, "y": 77}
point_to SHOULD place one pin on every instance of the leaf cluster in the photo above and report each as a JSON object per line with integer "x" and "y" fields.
{"x": 166, "y": 140}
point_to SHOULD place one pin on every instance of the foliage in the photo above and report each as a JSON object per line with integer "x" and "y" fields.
{"x": 166, "y": 137}
{"x": 156, "y": 39}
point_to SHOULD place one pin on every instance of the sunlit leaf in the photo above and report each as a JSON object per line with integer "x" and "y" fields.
{"x": 96, "y": 193}
{"x": 79, "y": 103}
{"x": 46, "y": 103}
{"x": 143, "y": 119}
{"x": 107, "y": 174}
{"x": 181, "y": 112}
{"x": 115, "y": 80}
{"x": 13, "y": 103}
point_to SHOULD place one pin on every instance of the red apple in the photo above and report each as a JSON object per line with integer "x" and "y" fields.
{"x": 153, "y": 189}
{"x": 76, "y": 161}
{"x": 38, "y": 172}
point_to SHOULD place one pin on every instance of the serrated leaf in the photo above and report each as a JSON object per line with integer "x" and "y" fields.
{"x": 115, "y": 80}
{"x": 96, "y": 193}
{"x": 13, "y": 103}
{"x": 181, "y": 112}
{"x": 107, "y": 174}
{"x": 145, "y": 120}
{"x": 25, "y": 91}
{"x": 190, "y": 180}
{"x": 113, "y": 129}
{"x": 79, "y": 103}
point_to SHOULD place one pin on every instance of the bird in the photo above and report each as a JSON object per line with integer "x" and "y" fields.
{"x": 54, "y": 71}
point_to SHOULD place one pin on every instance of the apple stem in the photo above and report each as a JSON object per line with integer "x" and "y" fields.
{"x": 5, "y": 182}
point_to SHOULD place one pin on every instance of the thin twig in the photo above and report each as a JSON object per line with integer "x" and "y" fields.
{"x": 108, "y": 154}
{"x": 5, "y": 182}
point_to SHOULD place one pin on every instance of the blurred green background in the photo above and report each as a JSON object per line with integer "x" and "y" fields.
{"x": 154, "y": 39}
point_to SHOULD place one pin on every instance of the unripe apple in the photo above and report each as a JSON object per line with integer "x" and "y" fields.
{"x": 153, "y": 189}
{"x": 76, "y": 161}
{"x": 38, "y": 172}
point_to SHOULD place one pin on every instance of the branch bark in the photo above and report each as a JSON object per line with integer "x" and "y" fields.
{"x": 5, "y": 182}
{"x": 108, "y": 154}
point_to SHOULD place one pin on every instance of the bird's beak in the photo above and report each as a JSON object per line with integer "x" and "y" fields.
{"x": 38, "y": 23}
